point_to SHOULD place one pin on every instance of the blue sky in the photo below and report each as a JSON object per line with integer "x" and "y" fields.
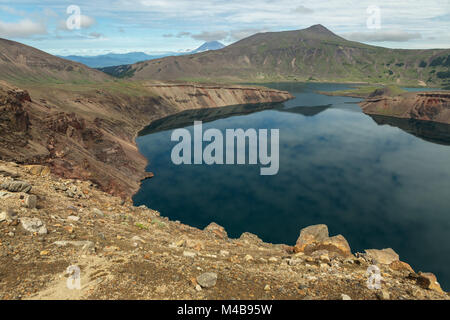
{"x": 177, "y": 25}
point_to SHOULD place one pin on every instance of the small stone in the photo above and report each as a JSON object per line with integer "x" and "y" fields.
{"x": 273, "y": 259}
{"x": 248, "y": 258}
{"x": 16, "y": 186}
{"x": 44, "y": 253}
{"x": 101, "y": 236}
{"x": 293, "y": 262}
{"x": 30, "y": 201}
{"x": 179, "y": 243}
{"x": 33, "y": 225}
{"x": 345, "y": 297}
{"x": 111, "y": 248}
{"x": 73, "y": 218}
{"x": 401, "y": 266}
{"x": 217, "y": 230}
{"x": 385, "y": 256}
{"x": 136, "y": 239}
{"x": 198, "y": 287}
{"x": 383, "y": 295}
{"x": 98, "y": 212}
{"x": 207, "y": 280}
{"x": 224, "y": 253}
{"x": 267, "y": 287}
{"x": 69, "y": 229}
{"x": 8, "y": 215}
{"x": 189, "y": 254}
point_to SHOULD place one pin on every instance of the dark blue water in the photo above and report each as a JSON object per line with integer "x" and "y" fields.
{"x": 379, "y": 182}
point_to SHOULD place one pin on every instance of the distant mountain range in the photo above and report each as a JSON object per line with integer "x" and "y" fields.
{"x": 312, "y": 54}
{"x": 117, "y": 59}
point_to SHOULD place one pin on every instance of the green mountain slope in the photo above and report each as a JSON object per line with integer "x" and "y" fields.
{"x": 314, "y": 53}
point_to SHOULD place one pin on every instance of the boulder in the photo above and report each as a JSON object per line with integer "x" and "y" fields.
{"x": 337, "y": 244}
{"x": 8, "y": 215}
{"x": 385, "y": 256}
{"x": 311, "y": 235}
{"x": 315, "y": 238}
{"x": 16, "y": 186}
{"x": 38, "y": 170}
{"x": 250, "y": 238}
{"x": 207, "y": 280}
{"x": 401, "y": 266}
{"x": 217, "y": 230}
{"x": 428, "y": 280}
{"x": 33, "y": 225}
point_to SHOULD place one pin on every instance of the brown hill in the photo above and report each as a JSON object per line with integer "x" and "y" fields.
{"x": 21, "y": 63}
{"x": 314, "y": 53}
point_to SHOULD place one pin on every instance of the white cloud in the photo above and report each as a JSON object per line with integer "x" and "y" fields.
{"x": 147, "y": 20}
{"x": 22, "y": 29}
{"x": 244, "y": 33}
{"x": 85, "y": 23}
{"x": 211, "y": 36}
{"x": 96, "y": 35}
{"x": 383, "y": 36}
{"x": 303, "y": 10}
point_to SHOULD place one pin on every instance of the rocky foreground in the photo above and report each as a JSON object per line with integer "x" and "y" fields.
{"x": 124, "y": 252}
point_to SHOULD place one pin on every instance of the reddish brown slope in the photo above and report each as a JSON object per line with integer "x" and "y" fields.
{"x": 429, "y": 106}
{"x": 89, "y": 134}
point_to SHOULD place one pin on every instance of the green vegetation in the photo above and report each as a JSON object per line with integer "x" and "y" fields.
{"x": 312, "y": 54}
{"x": 365, "y": 91}
{"x": 141, "y": 226}
{"x": 441, "y": 61}
{"x": 443, "y": 74}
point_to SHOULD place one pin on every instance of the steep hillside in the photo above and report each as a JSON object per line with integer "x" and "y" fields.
{"x": 314, "y": 53}
{"x": 23, "y": 64}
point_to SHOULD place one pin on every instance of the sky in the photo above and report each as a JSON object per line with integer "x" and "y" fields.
{"x": 154, "y": 26}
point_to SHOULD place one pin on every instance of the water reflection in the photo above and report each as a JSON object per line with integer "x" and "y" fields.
{"x": 375, "y": 184}
{"x": 429, "y": 131}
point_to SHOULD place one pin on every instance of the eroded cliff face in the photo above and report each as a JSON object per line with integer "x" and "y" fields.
{"x": 89, "y": 135}
{"x": 428, "y": 106}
